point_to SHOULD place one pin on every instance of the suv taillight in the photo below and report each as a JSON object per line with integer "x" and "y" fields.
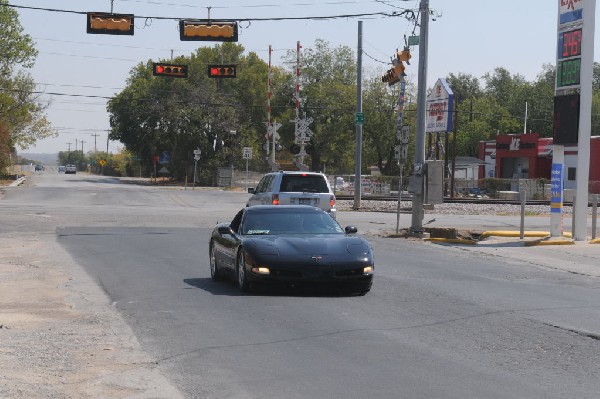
{"x": 332, "y": 201}
{"x": 275, "y": 199}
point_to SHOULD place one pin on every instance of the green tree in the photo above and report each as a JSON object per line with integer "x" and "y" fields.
{"x": 217, "y": 116}
{"x": 22, "y": 121}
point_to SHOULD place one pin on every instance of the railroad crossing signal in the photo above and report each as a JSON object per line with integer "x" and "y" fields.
{"x": 110, "y": 24}
{"x": 169, "y": 70}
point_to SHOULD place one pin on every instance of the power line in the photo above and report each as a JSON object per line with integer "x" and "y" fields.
{"x": 408, "y": 13}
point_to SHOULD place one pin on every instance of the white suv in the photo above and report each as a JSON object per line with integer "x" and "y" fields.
{"x": 294, "y": 188}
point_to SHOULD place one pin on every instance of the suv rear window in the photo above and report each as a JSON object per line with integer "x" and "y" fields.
{"x": 303, "y": 183}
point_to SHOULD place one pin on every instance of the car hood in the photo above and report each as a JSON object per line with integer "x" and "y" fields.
{"x": 324, "y": 244}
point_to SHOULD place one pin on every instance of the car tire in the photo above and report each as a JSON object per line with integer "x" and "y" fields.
{"x": 215, "y": 273}
{"x": 240, "y": 270}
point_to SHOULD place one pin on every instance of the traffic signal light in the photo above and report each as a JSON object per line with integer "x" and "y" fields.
{"x": 393, "y": 75}
{"x": 221, "y": 71}
{"x": 404, "y": 55}
{"x": 169, "y": 70}
{"x": 208, "y": 31}
{"x": 110, "y": 24}
{"x": 295, "y": 149}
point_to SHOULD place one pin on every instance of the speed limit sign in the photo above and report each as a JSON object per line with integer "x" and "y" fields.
{"x": 247, "y": 153}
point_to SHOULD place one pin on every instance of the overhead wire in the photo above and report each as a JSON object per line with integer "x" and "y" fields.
{"x": 403, "y": 13}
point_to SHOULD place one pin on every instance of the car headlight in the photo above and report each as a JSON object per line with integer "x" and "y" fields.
{"x": 261, "y": 270}
{"x": 368, "y": 270}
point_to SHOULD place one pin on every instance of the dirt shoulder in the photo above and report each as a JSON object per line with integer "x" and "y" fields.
{"x": 59, "y": 336}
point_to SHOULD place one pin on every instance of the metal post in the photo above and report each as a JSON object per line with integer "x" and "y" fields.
{"x": 523, "y": 198}
{"x": 573, "y": 217}
{"x": 246, "y": 185}
{"x": 358, "y": 151}
{"x": 195, "y": 168}
{"x": 419, "y": 159}
{"x": 594, "y": 214}
{"x": 455, "y": 133}
{"x": 399, "y": 199}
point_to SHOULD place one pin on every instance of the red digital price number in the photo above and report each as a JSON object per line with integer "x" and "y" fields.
{"x": 571, "y": 43}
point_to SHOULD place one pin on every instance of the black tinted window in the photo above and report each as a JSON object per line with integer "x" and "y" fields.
{"x": 263, "y": 184}
{"x": 273, "y": 222}
{"x": 303, "y": 183}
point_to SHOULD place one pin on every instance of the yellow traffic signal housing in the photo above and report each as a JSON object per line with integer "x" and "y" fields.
{"x": 208, "y": 31}
{"x": 169, "y": 70}
{"x": 221, "y": 71}
{"x": 404, "y": 55}
{"x": 392, "y": 76}
{"x": 110, "y": 24}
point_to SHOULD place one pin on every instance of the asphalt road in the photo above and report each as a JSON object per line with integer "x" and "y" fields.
{"x": 439, "y": 322}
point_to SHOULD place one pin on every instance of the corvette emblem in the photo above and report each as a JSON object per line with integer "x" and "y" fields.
{"x": 316, "y": 258}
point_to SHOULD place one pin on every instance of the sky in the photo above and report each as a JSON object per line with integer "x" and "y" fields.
{"x": 76, "y": 70}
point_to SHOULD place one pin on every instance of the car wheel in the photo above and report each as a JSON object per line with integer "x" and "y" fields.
{"x": 215, "y": 274}
{"x": 242, "y": 279}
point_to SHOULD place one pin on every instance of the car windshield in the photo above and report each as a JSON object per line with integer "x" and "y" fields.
{"x": 304, "y": 183}
{"x": 276, "y": 222}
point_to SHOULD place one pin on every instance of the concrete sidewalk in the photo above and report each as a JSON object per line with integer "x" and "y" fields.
{"x": 579, "y": 257}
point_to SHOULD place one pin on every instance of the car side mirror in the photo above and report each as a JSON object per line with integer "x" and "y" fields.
{"x": 350, "y": 229}
{"x": 250, "y": 190}
{"x": 223, "y": 230}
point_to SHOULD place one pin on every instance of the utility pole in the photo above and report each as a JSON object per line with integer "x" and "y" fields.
{"x": 419, "y": 159}
{"x": 69, "y": 144}
{"x": 94, "y": 135}
{"x": 82, "y": 146}
{"x": 358, "y": 151}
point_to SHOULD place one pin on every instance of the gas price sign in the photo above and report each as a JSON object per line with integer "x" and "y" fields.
{"x": 569, "y": 44}
{"x": 569, "y": 58}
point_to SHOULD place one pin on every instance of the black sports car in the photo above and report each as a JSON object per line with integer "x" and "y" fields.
{"x": 290, "y": 244}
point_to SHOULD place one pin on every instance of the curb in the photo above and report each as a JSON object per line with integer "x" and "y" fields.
{"x": 451, "y": 241}
{"x": 549, "y": 242}
{"x": 502, "y": 233}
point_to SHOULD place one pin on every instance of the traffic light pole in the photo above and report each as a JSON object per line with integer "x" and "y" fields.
{"x": 419, "y": 159}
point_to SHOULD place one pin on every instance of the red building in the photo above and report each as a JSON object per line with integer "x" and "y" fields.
{"x": 529, "y": 156}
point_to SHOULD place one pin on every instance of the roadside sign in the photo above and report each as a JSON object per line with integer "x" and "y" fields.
{"x": 359, "y": 118}
{"x": 197, "y": 151}
{"x": 164, "y": 158}
{"x": 439, "y": 108}
{"x": 197, "y": 157}
{"x": 247, "y": 153}
{"x": 102, "y": 162}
